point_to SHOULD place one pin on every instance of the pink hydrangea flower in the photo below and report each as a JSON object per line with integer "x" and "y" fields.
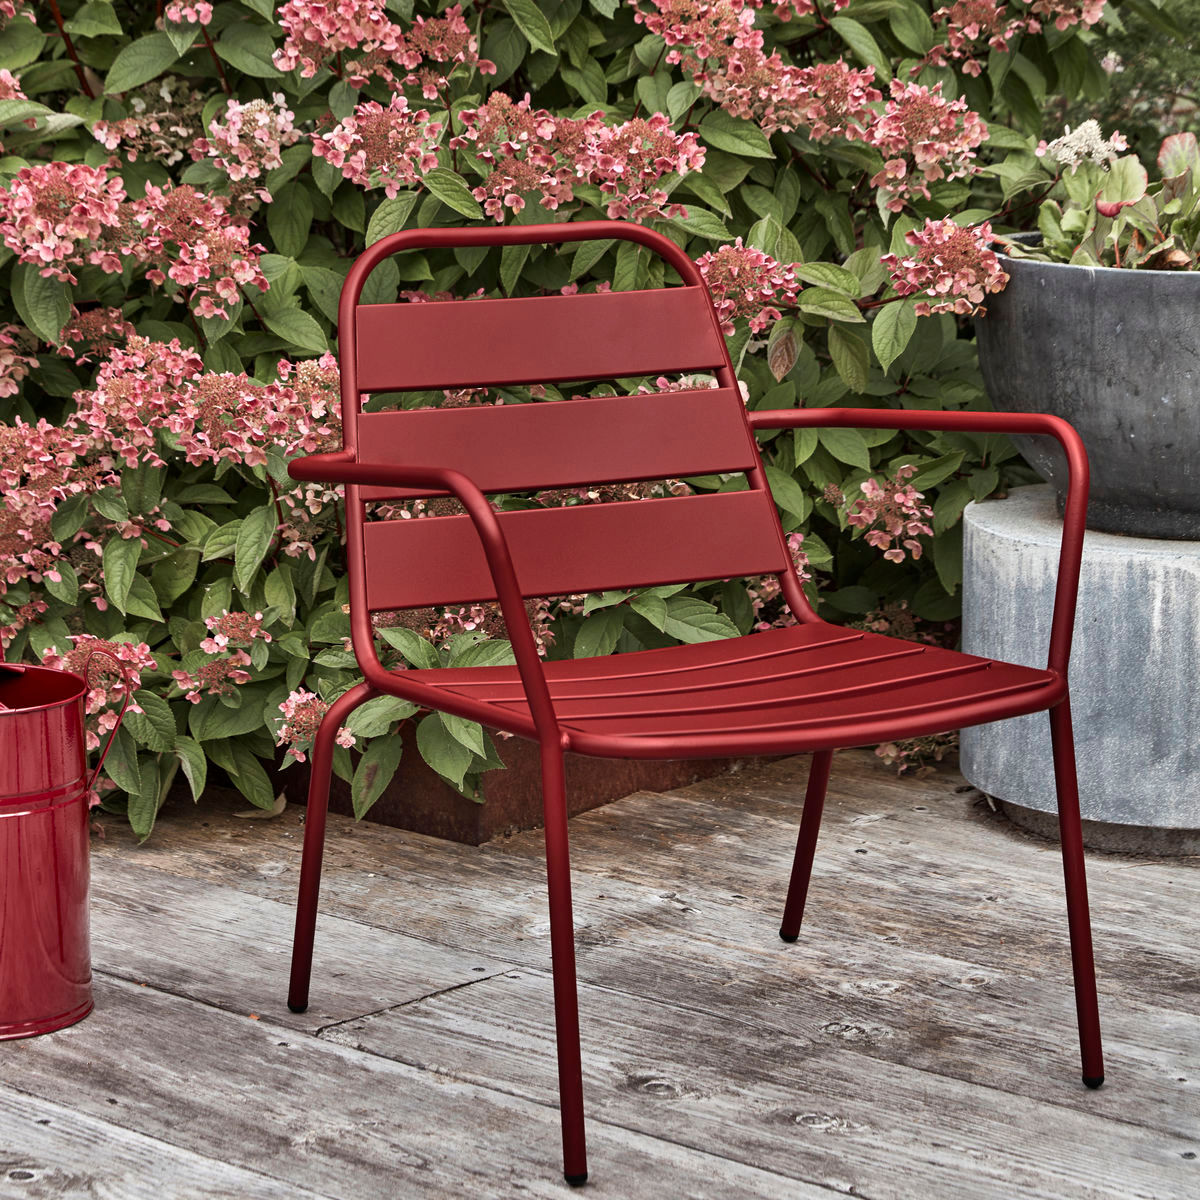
{"x": 246, "y": 140}
{"x": 953, "y": 264}
{"x": 390, "y": 147}
{"x": 302, "y": 713}
{"x": 972, "y": 28}
{"x": 892, "y": 514}
{"x": 109, "y": 682}
{"x": 93, "y": 331}
{"x": 16, "y": 361}
{"x": 745, "y": 282}
{"x": 217, "y": 677}
{"x": 924, "y": 138}
{"x": 188, "y": 12}
{"x": 233, "y": 628}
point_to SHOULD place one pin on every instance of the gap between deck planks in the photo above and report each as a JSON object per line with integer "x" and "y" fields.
{"x": 906, "y": 1039}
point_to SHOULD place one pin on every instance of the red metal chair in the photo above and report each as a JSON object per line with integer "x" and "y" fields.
{"x": 812, "y": 687}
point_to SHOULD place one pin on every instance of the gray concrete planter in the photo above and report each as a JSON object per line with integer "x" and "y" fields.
{"x": 1116, "y": 353}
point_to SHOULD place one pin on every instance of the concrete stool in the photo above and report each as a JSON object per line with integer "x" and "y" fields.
{"x": 1135, "y": 675}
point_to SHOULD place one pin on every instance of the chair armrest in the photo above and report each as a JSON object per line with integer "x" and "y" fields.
{"x": 1075, "y": 512}
{"x": 343, "y": 467}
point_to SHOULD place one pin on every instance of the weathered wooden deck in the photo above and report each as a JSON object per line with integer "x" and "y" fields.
{"x": 917, "y": 1041}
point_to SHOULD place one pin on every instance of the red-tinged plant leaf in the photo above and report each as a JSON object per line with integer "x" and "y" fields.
{"x": 1124, "y": 185}
{"x": 782, "y": 348}
{"x": 1178, "y": 153}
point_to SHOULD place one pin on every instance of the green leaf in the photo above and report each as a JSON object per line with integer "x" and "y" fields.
{"x": 651, "y": 606}
{"x": 121, "y": 764}
{"x": 948, "y": 559}
{"x": 141, "y": 601}
{"x": 66, "y": 588}
{"x": 847, "y": 445}
{"x": 735, "y": 136}
{"x": 182, "y": 34}
{"x": 250, "y": 778}
{"x": 21, "y": 44}
{"x": 325, "y": 287}
{"x": 451, "y": 189}
{"x": 829, "y": 275}
{"x": 788, "y": 494}
{"x": 120, "y": 561}
{"x": 391, "y": 216}
{"x": 298, "y": 328}
{"x": 866, "y": 48}
{"x": 374, "y": 772}
{"x": 692, "y": 620}
{"x": 210, "y": 719}
{"x": 912, "y": 27}
{"x": 628, "y": 272}
{"x": 851, "y": 359}
{"x": 533, "y": 24}
{"x": 289, "y": 218}
{"x": 891, "y": 331}
{"x": 154, "y": 726}
{"x": 822, "y": 302}
{"x": 13, "y": 112}
{"x": 69, "y": 517}
{"x": 492, "y": 652}
{"x": 701, "y": 223}
{"x": 139, "y": 62}
{"x": 174, "y": 575}
{"x": 512, "y": 263}
{"x": 43, "y": 304}
{"x": 931, "y": 473}
{"x": 506, "y": 46}
{"x": 467, "y": 733}
{"x": 249, "y": 47}
{"x": 444, "y": 753}
{"x": 599, "y": 634}
{"x": 253, "y": 541}
{"x": 378, "y": 715}
{"x": 194, "y": 762}
{"x": 416, "y": 650}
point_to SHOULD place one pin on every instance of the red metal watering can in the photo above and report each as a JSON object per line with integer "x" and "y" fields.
{"x": 45, "y": 961}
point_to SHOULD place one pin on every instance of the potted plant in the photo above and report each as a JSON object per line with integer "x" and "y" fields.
{"x": 1100, "y": 324}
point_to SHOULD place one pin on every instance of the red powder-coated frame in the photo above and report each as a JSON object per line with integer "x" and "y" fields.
{"x": 813, "y": 687}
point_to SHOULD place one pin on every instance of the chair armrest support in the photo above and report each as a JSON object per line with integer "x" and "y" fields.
{"x": 1075, "y": 513}
{"x": 342, "y": 467}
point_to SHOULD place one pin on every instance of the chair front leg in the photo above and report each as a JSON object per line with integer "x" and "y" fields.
{"x": 806, "y": 844}
{"x": 314, "y": 840}
{"x": 1078, "y": 921}
{"x": 562, "y": 951}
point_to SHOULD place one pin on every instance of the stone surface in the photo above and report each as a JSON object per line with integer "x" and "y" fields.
{"x": 1134, "y": 666}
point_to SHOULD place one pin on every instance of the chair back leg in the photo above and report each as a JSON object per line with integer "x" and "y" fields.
{"x": 1078, "y": 921}
{"x": 314, "y": 840}
{"x": 806, "y": 844}
{"x": 562, "y": 950}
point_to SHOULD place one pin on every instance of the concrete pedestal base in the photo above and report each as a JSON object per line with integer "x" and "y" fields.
{"x": 1135, "y": 674}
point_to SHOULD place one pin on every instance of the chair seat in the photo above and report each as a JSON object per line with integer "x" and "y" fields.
{"x": 807, "y": 687}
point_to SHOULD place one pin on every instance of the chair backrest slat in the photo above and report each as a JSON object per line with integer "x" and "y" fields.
{"x": 564, "y": 443}
{"x": 582, "y": 548}
{"x": 470, "y": 343}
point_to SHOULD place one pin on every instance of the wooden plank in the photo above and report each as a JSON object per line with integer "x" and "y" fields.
{"x": 49, "y": 1152}
{"x": 581, "y": 548}
{"x": 467, "y": 343}
{"x": 696, "y": 886}
{"x": 317, "y": 1115}
{"x": 233, "y": 950}
{"x": 741, "y": 1091}
{"x": 512, "y": 447}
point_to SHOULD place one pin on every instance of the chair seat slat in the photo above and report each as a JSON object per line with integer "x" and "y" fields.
{"x": 582, "y": 548}
{"x": 610, "y": 439}
{"x": 471, "y": 343}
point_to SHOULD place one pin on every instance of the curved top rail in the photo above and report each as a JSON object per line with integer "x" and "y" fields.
{"x": 508, "y": 235}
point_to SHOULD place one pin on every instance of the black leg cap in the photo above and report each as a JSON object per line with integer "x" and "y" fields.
{"x": 576, "y": 1180}
{"x": 1093, "y": 1081}
{"x": 789, "y": 938}
{"x": 297, "y": 1008}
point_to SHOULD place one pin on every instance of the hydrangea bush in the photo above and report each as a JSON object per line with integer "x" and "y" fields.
{"x": 186, "y": 184}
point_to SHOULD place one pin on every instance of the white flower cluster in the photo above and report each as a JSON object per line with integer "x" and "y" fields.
{"x": 1085, "y": 142}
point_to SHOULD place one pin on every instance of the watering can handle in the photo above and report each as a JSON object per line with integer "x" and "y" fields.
{"x": 120, "y": 716}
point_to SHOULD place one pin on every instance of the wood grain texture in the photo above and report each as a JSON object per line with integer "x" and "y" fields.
{"x": 50, "y": 1152}
{"x": 918, "y": 1041}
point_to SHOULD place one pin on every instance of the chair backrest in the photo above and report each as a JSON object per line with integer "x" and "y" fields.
{"x": 519, "y": 447}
